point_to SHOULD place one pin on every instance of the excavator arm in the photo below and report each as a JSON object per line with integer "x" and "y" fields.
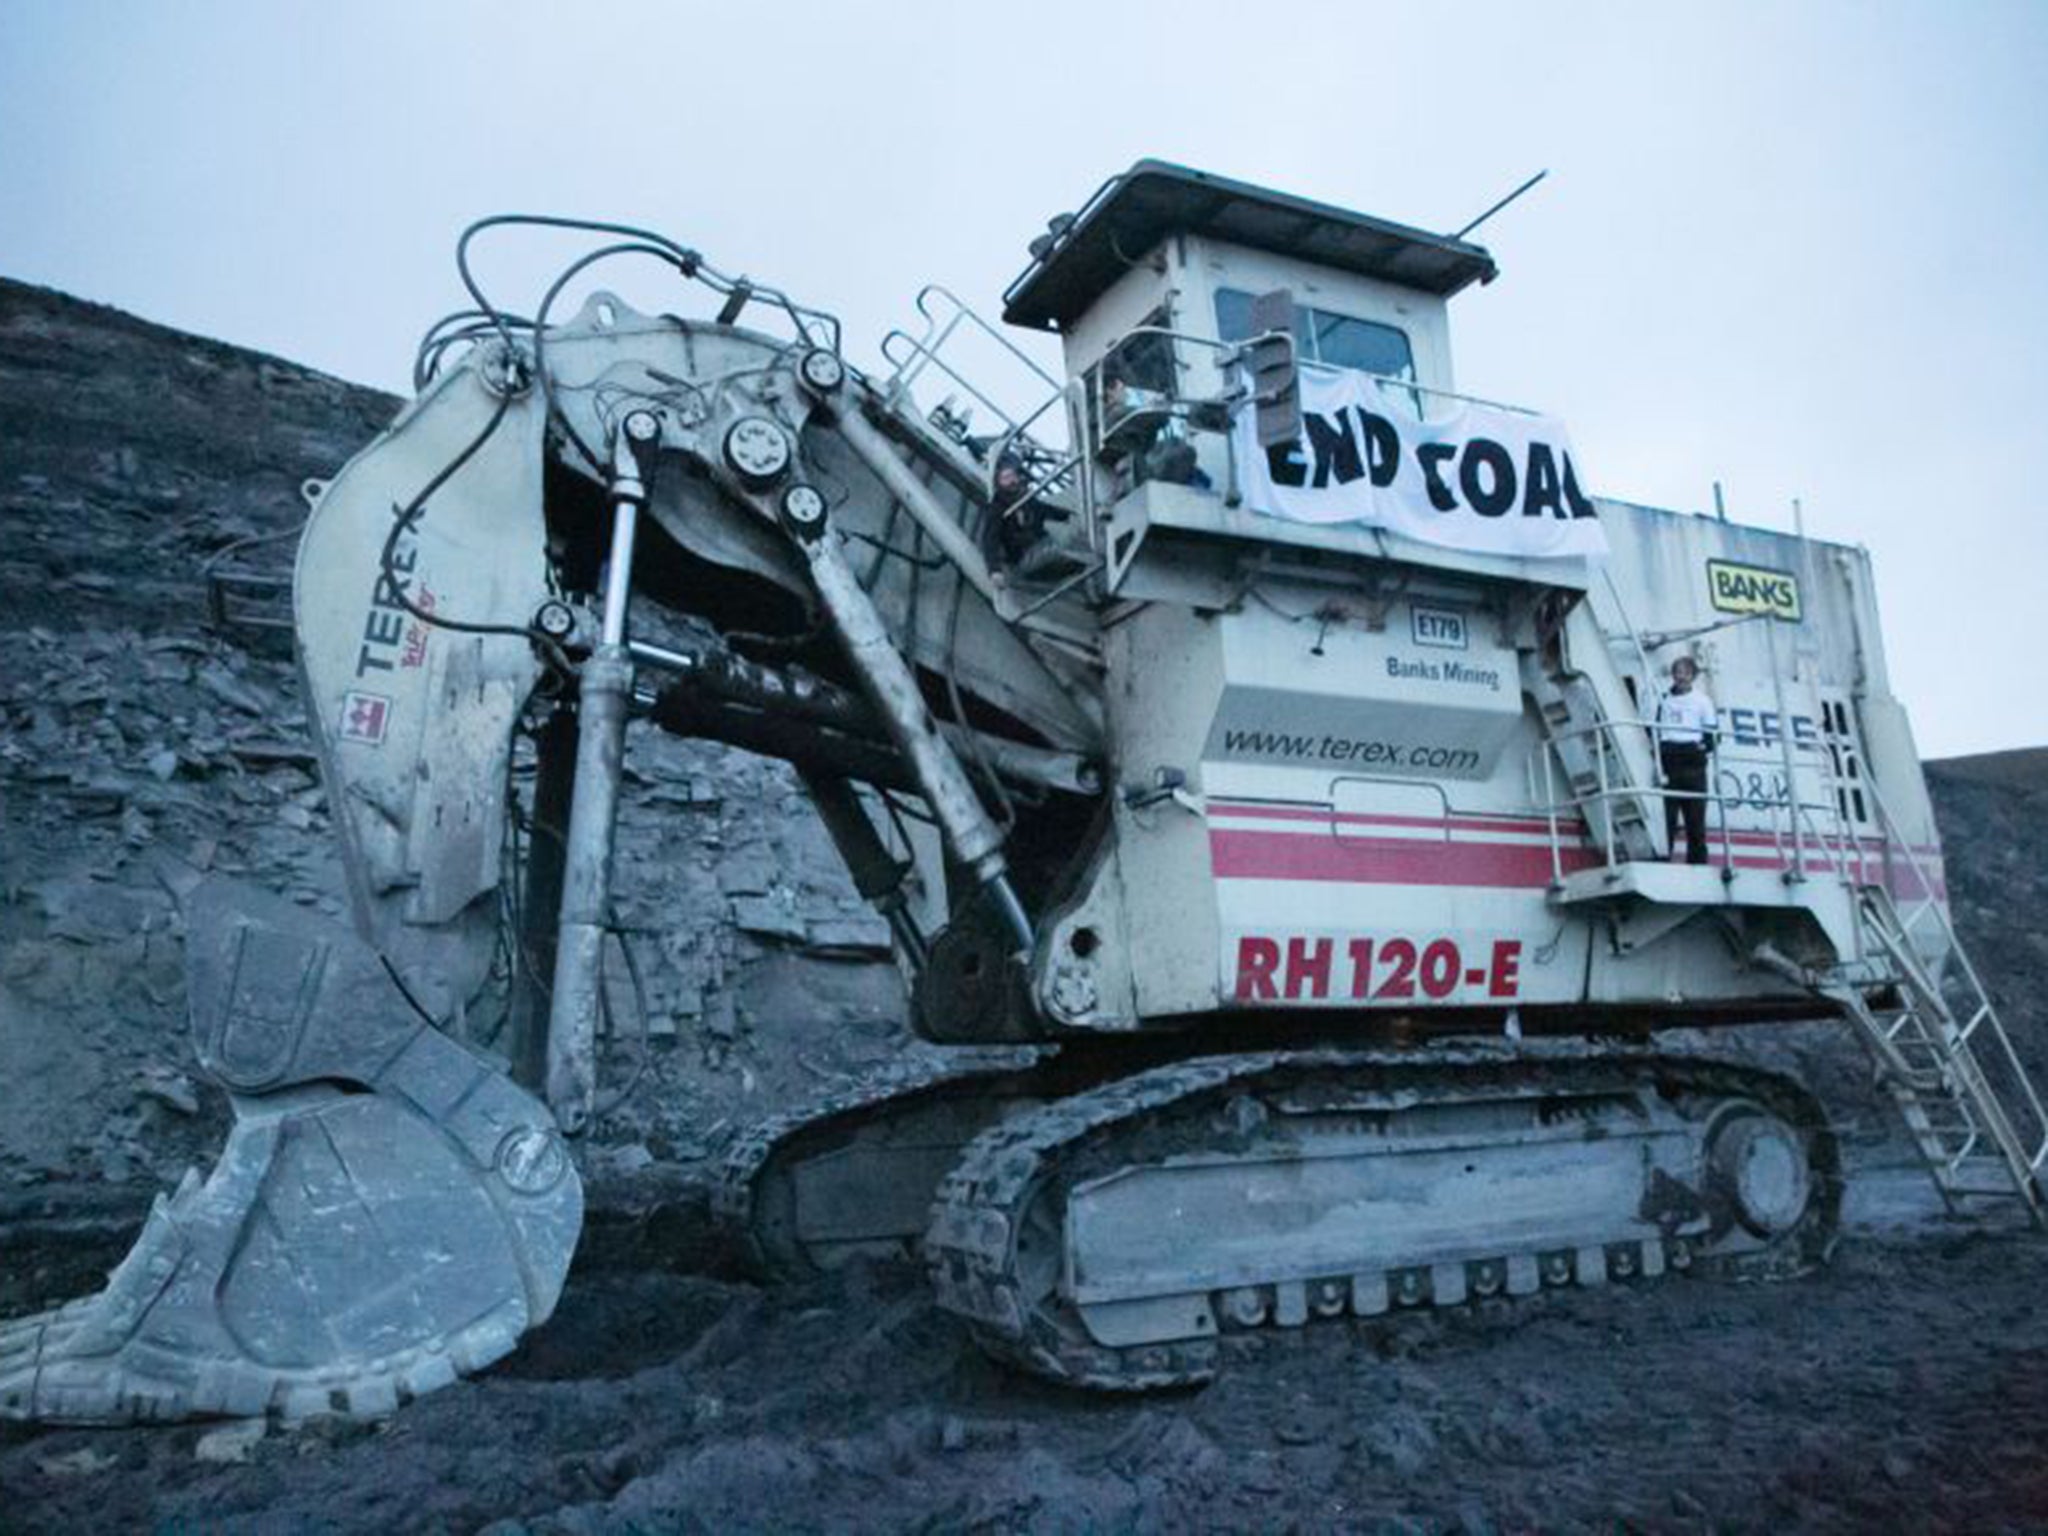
{"x": 501, "y": 538}
{"x": 818, "y": 572}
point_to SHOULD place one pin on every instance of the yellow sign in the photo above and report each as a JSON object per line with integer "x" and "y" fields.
{"x": 1753, "y": 589}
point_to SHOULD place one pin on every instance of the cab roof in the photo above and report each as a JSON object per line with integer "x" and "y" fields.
{"x": 1131, "y": 213}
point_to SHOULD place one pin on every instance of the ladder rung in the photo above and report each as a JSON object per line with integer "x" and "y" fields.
{"x": 1961, "y": 1155}
{"x": 1953, "y": 1111}
{"x": 1982, "y": 1163}
{"x": 1957, "y": 1141}
{"x": 1931, "y": 1072}
{"x": 1957, "y": 1124}
{"x": 2029, "y": 1200}
{"x": 1926, "y": 1043}
{"x": 1988, "y": 1166}
{"x": 1966, "y": 1130}
{"x": 1992, "y": 1154}
{"x": 1928, "y": 1080}
{"x": 1923, "y": 1085}
{"x": 1935, "y": 1028}
{"x": 1932, "y": 1127}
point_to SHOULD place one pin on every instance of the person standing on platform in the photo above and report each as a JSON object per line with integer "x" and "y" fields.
{"x": 1686, "y": 726}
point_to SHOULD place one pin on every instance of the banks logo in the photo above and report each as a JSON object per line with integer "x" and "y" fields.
{"x": 1442, "y": 627}
{"x": 1753, "y": 589}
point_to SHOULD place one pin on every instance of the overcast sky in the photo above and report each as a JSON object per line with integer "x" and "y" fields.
{"x": 1796, "y": 248}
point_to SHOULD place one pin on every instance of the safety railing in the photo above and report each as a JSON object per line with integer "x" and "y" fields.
{"x": 1032, "y": 456}
{"x": 946, "y": 320}
{"x": 1109, "y": 422}
{"x": 1597, "y": 805}
{"x": 1140, "y": 424}
{"x": 1926, "y": 881}
{"x": 1103, "y": 420}
{"x": 1089, "y": 441}
{"x": 1980, "y": 1019}
{"x": 1805, "y": 835}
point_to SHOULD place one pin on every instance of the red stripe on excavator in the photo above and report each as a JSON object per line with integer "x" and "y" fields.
{"x": 1488, "y": 821}
{"x": 1386, "y": 861}
{"x": 1404, "y": 861}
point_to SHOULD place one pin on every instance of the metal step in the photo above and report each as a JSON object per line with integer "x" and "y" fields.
{"x": 1607, "y": 757}
{"x": 1975, "y": 1138}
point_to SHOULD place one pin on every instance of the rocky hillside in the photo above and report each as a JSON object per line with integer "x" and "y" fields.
{"x": 133, "y": 453}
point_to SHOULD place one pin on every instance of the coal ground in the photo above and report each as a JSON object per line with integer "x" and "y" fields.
{"x": 1903, "y": 1386}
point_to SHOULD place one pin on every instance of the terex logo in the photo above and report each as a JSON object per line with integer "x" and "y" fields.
{"x": 1441, "y": 627}
{"x": 1753, "y": 589}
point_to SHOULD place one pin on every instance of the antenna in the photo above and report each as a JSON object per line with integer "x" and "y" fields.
{"x": 1496, "y": 208}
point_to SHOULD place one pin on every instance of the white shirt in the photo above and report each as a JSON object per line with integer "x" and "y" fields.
{"x": 1683, "y": 719}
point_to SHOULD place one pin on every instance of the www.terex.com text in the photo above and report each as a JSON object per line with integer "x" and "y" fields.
{"x": 1350, "y": 749}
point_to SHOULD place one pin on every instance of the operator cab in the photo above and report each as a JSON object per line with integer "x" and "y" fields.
{"x": 1160, "y": 277}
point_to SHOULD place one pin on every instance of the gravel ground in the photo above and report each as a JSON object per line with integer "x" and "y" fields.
{"x": 1904, "y": 1386}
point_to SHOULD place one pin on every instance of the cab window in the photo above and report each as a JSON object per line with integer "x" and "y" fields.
{"x": 1325, "y": 338}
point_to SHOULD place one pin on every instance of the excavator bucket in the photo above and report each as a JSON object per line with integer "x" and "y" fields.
{"x": 390, "y": 1211}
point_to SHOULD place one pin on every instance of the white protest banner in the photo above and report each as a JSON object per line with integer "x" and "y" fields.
{"x": 1485, "y": 479}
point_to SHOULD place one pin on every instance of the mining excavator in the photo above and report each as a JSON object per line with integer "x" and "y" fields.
{"x": 1254, "y": 734}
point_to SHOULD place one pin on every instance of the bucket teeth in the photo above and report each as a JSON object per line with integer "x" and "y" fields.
{"x": 389, "y": 1213}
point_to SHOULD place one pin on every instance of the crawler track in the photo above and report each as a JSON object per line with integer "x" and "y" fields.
{"x": 913, "y": 1122}
{"x": 1001, "y": 1244}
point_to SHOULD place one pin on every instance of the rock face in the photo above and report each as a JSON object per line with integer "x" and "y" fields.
{"x": 140, "y": 743}
{"x": 135, "y": 452}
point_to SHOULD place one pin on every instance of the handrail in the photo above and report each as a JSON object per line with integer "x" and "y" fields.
{"x": 917, "y": 353}
{"x": 1090, "y": 421}
{"x": 1426, "y": 786}
{"x": 1959, "y": 956}
{"x": 1233, "y": 349}
{"x": 1894, "y": 835}
{"x": 1098, "y": 418}
{"x": 1046, "y": 482}
{"x": 944, "y": 315}
{"x": 1635, "y": 635}
{"x": 1783, "y": 817}
{"x": 928, "y": 344}
{"x": 1550, "y": 809}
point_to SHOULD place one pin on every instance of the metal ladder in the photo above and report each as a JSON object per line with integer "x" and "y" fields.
{"x": 1943, "y": 1055}
{"x": 1606, "y": 755}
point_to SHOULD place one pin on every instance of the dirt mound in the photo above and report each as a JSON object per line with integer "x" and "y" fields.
{"x": 1907, "y": 1383}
